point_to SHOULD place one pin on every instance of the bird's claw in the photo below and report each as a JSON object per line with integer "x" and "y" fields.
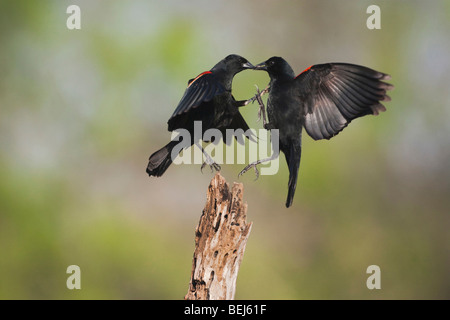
{"x": 257, "y": 96}
{"x": 251, "y": 100}
{"x": 254, "y": 164}
{"x": 213, "y": 166}
{"x": 261, "y": 110}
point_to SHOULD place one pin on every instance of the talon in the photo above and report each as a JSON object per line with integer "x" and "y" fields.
{"x": 243, "y": 171}
{"x": 256, "y": 172}
{"x": 248, "y": 167}
{"x": 213, "y": 166}
{"x": 251, "y": 100}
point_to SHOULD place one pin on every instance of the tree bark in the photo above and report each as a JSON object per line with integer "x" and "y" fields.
{"x": 220, "y": 240}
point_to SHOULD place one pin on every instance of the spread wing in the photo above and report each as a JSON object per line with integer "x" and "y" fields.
{"x": 200, "y": 89}
{"x": 334, "y": 94}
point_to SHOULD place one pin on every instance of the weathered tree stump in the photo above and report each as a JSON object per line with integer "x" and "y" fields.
{"x": 220, "y": 240}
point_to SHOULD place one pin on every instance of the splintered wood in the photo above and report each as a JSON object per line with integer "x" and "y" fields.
{"x": 220, "y": 240}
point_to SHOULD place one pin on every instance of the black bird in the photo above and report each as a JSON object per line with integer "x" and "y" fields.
{"x": 323, "y": 99}
{"x": 208, "y": 99}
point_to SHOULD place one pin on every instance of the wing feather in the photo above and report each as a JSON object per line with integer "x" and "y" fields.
{"x": 201, "y": 89}
{"x": 334, "y": 94}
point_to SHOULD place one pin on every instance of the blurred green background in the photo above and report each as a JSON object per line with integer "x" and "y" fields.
{"x": 81, "y": 111}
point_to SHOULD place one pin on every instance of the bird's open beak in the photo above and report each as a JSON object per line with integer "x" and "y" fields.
{"x": 248, "y": 65}
{"x": 261, "y": 66}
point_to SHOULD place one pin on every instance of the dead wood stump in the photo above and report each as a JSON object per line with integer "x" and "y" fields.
{"x": 220, "y": 240}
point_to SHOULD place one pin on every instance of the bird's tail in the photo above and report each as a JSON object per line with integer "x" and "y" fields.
{"x": 293, "y": 161}
{"x": 161, "y": 160}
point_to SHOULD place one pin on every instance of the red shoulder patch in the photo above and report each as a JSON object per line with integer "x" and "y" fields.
{"x": 196, "y": 78}
{"x": 304, "y": 70}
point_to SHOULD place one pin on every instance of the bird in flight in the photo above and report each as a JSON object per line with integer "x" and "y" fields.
{"x": 323, "y": 99}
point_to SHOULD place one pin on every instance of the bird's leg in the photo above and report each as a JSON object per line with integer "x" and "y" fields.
{"x": 254, "y": 164}
{"x": 258, "y": 97}
{"x": 243, "y": 103}
{"x": 262, "y": 109}
{"x": 208, "y": 160}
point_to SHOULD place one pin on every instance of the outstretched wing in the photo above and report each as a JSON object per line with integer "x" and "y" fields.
{"x": 200, "y": 89}
{"x": 334, "y": 94}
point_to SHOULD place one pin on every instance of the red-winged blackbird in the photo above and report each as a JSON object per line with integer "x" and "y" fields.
{"x": 207, "y": 99}
{"x": 324, "y": 99}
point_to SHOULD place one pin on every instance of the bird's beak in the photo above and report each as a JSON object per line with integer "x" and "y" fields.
{"x": 248, "y": 65}
{"x": 261, "y": 66}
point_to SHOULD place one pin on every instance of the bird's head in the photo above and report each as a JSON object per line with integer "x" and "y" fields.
{"x": 234, "y": 64}
{"x": 276, "y": 67}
